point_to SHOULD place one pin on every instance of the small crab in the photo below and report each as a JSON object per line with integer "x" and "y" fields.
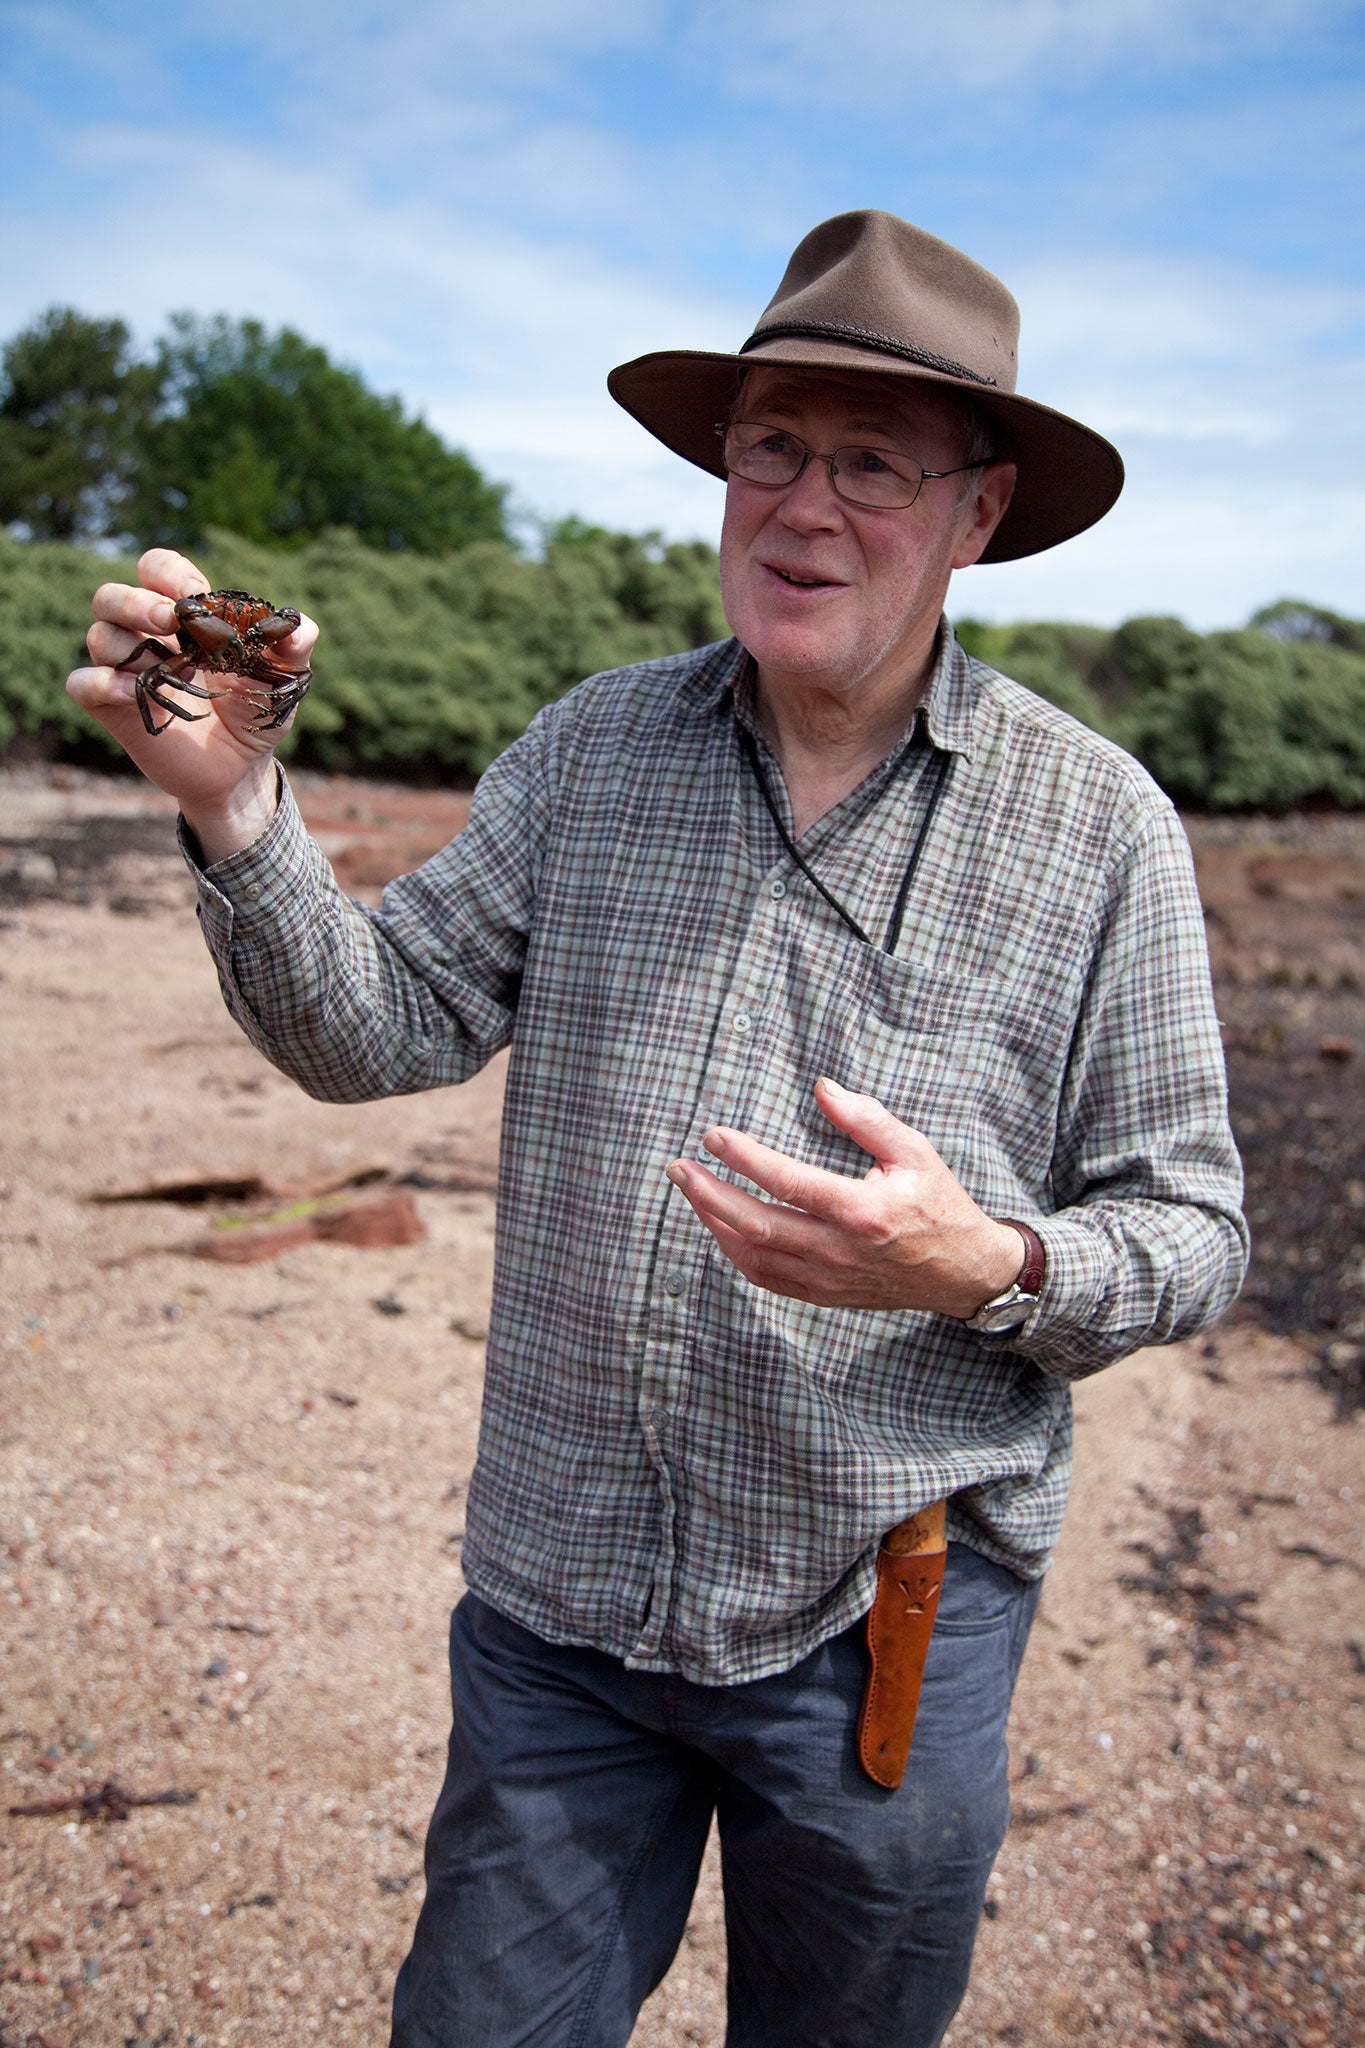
{"x": 226, "y": 632}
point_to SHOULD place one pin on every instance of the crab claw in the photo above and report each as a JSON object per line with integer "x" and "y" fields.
{"x": 214, "y": 635}
{"x": 278, "y": 626}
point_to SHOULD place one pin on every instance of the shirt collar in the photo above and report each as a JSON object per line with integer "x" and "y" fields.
{"x": 708, "y": 684}
{"x": 950, "y": 703}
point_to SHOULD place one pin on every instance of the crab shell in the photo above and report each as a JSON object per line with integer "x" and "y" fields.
{"x": 224, "y": 629}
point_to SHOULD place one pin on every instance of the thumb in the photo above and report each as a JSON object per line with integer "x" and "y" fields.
{"x": 870, "y": 1124}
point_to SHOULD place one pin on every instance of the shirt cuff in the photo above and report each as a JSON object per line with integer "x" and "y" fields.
{"x": 248, "y": 890}
{"x": 1059, "y": 1336}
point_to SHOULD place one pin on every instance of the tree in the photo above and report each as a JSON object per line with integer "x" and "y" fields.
{"x": 1152, "y": 654}
{"x": 1293, "y": 618}
{"x": 263, "y": 435}
{"x": 74, "y": 407}
{"x": 1249, "y": 722}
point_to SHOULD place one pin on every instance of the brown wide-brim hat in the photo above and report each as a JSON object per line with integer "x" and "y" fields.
{"x": 867, "y": 291}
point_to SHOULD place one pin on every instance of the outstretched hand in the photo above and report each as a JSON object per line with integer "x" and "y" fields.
{"x": 908, "y": 1235}
{"x": 221, "y": 773}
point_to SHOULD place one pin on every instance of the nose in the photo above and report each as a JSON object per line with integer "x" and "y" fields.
{"x": 811, "y": 503}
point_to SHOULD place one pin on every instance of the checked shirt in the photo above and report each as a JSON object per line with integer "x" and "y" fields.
{"x": 674, "y": 1466}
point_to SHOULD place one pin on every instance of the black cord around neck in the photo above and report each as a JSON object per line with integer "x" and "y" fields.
{"x": 939, "y": 772}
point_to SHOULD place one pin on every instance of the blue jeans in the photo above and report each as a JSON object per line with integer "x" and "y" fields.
{"x": 564, "y": 1849}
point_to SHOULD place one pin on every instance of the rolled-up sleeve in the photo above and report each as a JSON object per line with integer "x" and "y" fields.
{"x": 1147, "y": 1243}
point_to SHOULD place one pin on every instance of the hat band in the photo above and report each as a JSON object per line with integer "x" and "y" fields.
{"x": 887, "y": 344}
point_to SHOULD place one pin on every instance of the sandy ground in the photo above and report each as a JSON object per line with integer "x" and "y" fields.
{"x": 231, "y": 1504}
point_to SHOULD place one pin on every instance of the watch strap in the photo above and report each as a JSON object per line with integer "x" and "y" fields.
{"x": 1030, "y": 1280}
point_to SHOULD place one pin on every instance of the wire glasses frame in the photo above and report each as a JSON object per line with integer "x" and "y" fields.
{"x": 883, "y": 479}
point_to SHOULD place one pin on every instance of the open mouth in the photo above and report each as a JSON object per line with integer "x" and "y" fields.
{"x": 803, "y": 582}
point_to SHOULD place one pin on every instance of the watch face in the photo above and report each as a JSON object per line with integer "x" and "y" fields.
{"x": 1005, "y": 1315}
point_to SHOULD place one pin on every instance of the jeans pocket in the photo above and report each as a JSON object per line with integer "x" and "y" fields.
{"x": 978, "y": 1596}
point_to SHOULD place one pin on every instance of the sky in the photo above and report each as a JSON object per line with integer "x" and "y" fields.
{"x": 483, "y": 208}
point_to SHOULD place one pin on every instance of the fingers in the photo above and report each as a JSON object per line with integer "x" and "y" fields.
{"x": 296, "y": 651}
{"x": 819, "y": 1193}
{"x": 780, "y": 1273}
{"x": 774, "y": 1248}
{"x": 831, "y": 1196}
{"x": 173, "y": 575}
{"x": 124, "y": 614}
{"x": 108, "y": 698}
{"x": 781, "y": 1250}
{"x": 128, "y": 612}
{"x": 148, "y": 607}
{"x": 766, "y": 1225}
{"x": 871, "y": 1125}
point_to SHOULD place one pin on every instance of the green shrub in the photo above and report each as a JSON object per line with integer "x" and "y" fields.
{"x": 431, "y": 664}
{"x": 1251, "y": 723}
{"x": 1056, "y": 660}
{"x": 45, "y": 592}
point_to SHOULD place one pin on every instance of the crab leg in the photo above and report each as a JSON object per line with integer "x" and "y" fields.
{"x": 282, "y": 698}
{"x": 151, "y": 681}
{"x": 143, "y": 691}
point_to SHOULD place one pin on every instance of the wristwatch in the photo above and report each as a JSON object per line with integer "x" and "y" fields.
{"x": 1006, "y": 1311}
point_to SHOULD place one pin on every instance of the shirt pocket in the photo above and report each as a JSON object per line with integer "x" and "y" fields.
{"x": 940, "y": 1051}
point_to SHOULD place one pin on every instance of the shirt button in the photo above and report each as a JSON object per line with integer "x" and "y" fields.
{"x": 252, "y": 892}
{"x": 743, "y": 1021}
{"x": 675, "y": 1283}
{"x": 777, "y": 890}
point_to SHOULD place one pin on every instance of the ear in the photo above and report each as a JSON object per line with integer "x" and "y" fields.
{"x": 983, "y": 512}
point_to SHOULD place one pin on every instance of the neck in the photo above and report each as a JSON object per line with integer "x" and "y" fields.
{"x": 828, "y": 740}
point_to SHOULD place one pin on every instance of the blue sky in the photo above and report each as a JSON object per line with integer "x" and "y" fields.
{"x": 483, "y": 207}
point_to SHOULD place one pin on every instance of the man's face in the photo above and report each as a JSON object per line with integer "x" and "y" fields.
{"x": 830, "y": 595}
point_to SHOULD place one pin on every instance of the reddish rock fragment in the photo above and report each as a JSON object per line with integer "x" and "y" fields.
{"x": 391, "y": 1220}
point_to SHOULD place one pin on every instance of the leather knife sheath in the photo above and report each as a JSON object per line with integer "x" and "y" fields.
{"x": 909, "y": 1577}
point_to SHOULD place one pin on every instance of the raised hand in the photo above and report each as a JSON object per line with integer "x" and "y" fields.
{"x": 908, "y": 1235}
{"x": 221, "y": 772}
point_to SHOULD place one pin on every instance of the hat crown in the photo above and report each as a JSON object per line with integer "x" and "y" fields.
{"x": 874, "y": 280}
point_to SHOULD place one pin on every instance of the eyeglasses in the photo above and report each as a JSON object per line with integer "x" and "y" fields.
{"x": 879, "y": 477}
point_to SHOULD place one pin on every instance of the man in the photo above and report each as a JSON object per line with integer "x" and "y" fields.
{"x": 751, "y": 917}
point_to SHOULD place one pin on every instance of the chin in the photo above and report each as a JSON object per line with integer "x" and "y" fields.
{"x": 784, "y": 644}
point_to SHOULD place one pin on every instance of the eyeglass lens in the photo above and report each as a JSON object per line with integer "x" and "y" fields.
{"x": 865, "y": 476}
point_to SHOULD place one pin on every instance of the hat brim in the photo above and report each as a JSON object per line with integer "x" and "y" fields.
{"x": 1068, "y": 475}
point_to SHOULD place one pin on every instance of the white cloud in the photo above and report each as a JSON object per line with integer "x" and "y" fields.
{"x": 440, "y": 201}
{"x": 887, "y": 52}
{"x": 1211, "y": 553}
{"x": 131, "y": 69}
{"x": 1236, "y": 402}
{"x": 503, "y": 338}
